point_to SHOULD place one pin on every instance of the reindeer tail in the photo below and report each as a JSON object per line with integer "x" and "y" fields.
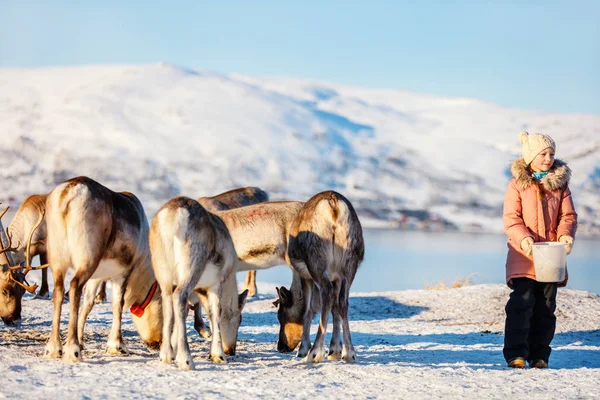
{"x": 343, "y": 229}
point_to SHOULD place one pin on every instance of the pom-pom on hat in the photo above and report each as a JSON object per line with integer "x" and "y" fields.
{"x": 533, "y": 144}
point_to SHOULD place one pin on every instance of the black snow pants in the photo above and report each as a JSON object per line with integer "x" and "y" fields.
{"x": 530, "y": 320}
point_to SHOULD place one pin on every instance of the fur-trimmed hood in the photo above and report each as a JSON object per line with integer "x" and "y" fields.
{"x": 558, "y": 176}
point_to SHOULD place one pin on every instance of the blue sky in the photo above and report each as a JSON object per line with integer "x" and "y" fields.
{"x": 541, "y": 55}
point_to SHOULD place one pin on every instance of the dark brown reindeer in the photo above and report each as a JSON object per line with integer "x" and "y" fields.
{"x": 325, "y": 249}
{"x": 192, "y": 251}
{"x": 99, "y": 234}
{"x": 24, "y": 219}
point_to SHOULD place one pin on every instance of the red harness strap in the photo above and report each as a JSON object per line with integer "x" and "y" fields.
{"x": 137, "y": 309}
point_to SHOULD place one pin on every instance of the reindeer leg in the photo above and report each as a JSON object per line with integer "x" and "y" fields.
{"x": 250, "y": 284}
{"x": 44, "y": 293}
{"x": 335, "y": 346}
{"x": 199, "y": 325}
{"x": 348, "y": 353}
{"x": 72, "y": 351}
{"x": 216, "y": 347}
{"x": 316, "y": 352}
{"x": 166, "y": 351}
{"x": 54, "y": 346}
{"x": 86, "y": 307}
{"x": 101, "y": 297}
{"x": 307, "y": 285}
{"x": 180, "y": 303}
{"x": 115, "y": 338}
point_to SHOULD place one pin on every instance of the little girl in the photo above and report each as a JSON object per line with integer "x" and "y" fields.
{"x": 538, "y": 207}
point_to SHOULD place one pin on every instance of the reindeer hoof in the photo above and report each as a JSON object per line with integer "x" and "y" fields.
{"x": 186, "y": 364}
{"x": 165, "y": 359}
{"x": 314, "y": 356}
{"x": 205, "y": 333}
{"x": 349, "y": 357}
{"x": 99, "y": 299}
{"x": 42, "y": 295}
{"x": 117, "y": 349}
{"x": 219, "y": 359}
{"x": 51, "y": 352}
{"x": 334, "y": 355}
{"x": 72, "y": 354}
{"x": 302, "y": 352}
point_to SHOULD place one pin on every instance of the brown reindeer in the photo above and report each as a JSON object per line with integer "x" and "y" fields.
{"x": 192, "y": 251}
{"x": 260, "y": 236}
{"x": 99, "y": 234}
{"x": 325, "y": 249}
{"x": 24, "y": 219}
{"x": 225, "y": 201}
{"x": 12, "y": 278}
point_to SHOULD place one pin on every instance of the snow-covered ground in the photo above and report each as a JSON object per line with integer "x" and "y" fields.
{"x": 410, "y": 344}
{"x": 412, "y": 160}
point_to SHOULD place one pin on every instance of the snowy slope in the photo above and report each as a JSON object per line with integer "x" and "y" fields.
{"x": 161, "y": 130}
{"x": 410, "y": 344}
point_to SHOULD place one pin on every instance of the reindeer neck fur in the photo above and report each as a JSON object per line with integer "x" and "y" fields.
{"x": 22, "y": 223}
{"x": 260, "y": 232}
{"x": 139, "y": 283}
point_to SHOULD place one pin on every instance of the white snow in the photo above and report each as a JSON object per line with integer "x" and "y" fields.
{"x": 410, "y": 344}
{"x": 162, "y": 130}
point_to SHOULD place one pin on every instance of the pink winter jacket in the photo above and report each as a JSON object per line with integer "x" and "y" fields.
{"x": 526, "y": 214}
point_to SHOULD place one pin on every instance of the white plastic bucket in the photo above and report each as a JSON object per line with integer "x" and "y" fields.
{"x": 549, "y": 260}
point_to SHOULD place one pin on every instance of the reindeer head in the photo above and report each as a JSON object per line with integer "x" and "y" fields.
{"x": 12, "y": 278}
{"x": 231, "y": 319}
{"x": 10, "y": 296}
{"x": 290, "y": 315}
{"x": 150, "y": 324}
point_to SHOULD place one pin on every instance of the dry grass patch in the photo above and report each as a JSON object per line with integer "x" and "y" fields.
{"x": 456, "y": 284}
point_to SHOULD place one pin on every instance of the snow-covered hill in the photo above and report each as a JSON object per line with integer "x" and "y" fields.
{"x": 403, "y": 158}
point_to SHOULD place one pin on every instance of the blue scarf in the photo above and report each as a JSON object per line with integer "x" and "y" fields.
{"x": 538, "y": 176}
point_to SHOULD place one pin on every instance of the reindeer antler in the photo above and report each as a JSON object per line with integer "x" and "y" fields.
{"x": 8, "y": 236}
{"x": 4, "y": 212}
{"x": 30, "y": 288}
{"x": 28, "y": 266}
{"x": 9, "y": 246}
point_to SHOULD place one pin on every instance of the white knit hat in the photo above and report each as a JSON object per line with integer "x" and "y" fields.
{"x": 533, "y": 144}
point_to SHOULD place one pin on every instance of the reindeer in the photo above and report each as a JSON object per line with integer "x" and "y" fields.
{"x": 24, "y": 219}
{"x": 325, "y": 249}
{"x": 259, "y": 234}
{"x": 225, "y": 201}
{"x": 100, "y": 234}
{"x": 234, "y": 199}
{"x": 12, "y": 278}
{"x": 192, "y": 251}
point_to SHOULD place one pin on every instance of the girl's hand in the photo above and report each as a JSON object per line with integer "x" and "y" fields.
{"x": 527, "y": 245}
{"x": 568, "y": 240}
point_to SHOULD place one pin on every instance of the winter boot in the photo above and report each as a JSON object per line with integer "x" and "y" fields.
{"x": 538, "y": 364}
{"x": 517, "y": 362}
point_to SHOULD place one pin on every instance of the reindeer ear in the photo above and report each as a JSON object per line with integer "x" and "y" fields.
{"x": 242, "y": 299}
{"x": 285, "y": 297}
{"x": 276, "y": 302}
